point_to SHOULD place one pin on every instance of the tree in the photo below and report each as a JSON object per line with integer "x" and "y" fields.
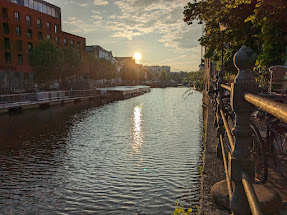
{"x": 196, "y": 79}
{"x": 163, "y": 75}
{"x": 101, "y": 68}
{"x": 72, "y": 61}
{"x": 260, "y": 24}
{"x": 46, "y": 60}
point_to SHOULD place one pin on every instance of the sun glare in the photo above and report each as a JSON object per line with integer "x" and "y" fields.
{"x": 137, "y": 56}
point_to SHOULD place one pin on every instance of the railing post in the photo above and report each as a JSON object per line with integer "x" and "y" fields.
{"x": 220, "y": 126}
{"x": 244, "y": 61}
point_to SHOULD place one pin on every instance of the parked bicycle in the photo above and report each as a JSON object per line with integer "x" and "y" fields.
{"x": 256, "y": 145}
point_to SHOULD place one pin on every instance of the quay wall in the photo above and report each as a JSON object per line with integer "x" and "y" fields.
{"x": 42, "y": 100}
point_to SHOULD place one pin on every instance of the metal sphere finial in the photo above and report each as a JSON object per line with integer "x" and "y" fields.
{"x": 244, "y": 58}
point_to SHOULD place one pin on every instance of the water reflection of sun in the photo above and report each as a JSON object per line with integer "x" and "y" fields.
{"x": 137, "y": 129}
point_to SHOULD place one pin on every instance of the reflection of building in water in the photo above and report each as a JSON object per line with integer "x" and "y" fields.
{"x": 137, "y": 129}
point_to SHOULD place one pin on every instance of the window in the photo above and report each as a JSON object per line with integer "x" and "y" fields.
{"x": 53, "y": 12}
{"x": 20, "y": 59}
{"x": 36, "y": 5}
{"x": 19, "y": 45}
{"x": 49, "y": 10}
{"x": 49, "y": 26}
{"x": 31, "y": 4}
{"x": 44, "y": 8}
{"x": 72, "y": 43}
{"x": 57, "y": 14}
{"x": 49, "y": 36}
{"x": 7, "y": 43}
{"x": 65, "y": 42}
{"x": 28, "y": 19}
{"x": 26, "y": 3}
{"x": 17, "y": 17}
{"x": 79, "y": 45}
{"x": 17, "y": 1}
{"x": 57, "y": 29}
{"x": 40, "y": 6}
{"x": 6, "y": 28}
{"x": 5, "y": 13}
{"x": 29, "y": 33}
{"x": 39, "y": 23}
{"x": 58, "y": 40}
{"x": 8, "y": 57}
{"x": 30, "y": 46}
{"x": 40, "y": 35}
{"x": 18, "y": 31}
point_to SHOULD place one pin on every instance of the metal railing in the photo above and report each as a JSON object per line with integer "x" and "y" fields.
{"x": 239, "y": 168}
{"x": 45, "y": 96}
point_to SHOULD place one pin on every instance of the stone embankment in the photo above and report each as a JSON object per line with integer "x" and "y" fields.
{"x": 42, "y": 100}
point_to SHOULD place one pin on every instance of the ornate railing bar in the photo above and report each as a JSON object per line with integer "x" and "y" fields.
{"x": 251, "y": 195}
{"x": 228, "y": 131}
{"x": 229, "y": 187}
{"x": 277, "y": 109}
{"x": 228, "y": 88}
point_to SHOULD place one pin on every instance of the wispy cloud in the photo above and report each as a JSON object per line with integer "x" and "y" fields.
{"x": 80, "y": 26}
{"x": 163, "y": 17}
{"x": 100, "y": 2}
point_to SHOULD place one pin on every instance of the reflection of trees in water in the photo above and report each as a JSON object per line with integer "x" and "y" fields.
{"x": 38, "y": 128}
{"x": 33, "y": 153}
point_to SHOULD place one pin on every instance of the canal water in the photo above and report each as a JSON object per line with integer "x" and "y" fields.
{"x": 137, "y": 156}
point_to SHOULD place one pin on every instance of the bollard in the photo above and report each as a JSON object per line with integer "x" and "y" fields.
{"x": 240, "y": 159}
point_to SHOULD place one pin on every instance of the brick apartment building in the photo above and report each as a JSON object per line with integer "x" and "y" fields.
{"x": 22, "y": 24}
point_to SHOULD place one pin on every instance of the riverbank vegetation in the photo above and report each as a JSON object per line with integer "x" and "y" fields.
{"x": 65, "y": 66}
{"x": 260, "y": 24}
{"x": 196, "y": 79}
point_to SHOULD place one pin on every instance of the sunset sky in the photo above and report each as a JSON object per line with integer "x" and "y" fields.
{"x": 153, "y": 28}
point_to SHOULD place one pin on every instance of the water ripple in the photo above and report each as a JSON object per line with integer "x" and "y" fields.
{"x": 137, "y": 156}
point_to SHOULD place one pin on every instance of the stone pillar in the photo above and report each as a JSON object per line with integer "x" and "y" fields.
{"x": 240, "y": 160}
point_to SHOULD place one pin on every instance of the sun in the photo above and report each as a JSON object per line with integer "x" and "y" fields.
{"x": 137, "y": 56}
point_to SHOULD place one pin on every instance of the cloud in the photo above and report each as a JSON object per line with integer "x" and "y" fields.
{"x": 81, "y": 26}
{"x": 97, "y": 17}
{"x": 163, "y": 17}
{"x": 100, "y": 2}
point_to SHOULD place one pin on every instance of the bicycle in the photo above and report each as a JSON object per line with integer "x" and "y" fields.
{"x": 277, "y": 142}
{"x": 256, "y": 144}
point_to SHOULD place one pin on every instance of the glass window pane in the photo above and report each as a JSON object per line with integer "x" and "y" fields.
{"x": 44, "y": 8}
{"x": 53, "y": 12}
{"x": 31, "y": 4}
{"x": 49, "y": 10}
{"x": 40, "y": 6}
{"x": 57, "y": 14}
{"x": 35, "y": 5}
{"x": 26, "y": 3}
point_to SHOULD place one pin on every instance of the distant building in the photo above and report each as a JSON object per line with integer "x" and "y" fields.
{"x": 158, "y": 69}
{"x": 99, "y": 52}
{"x": 24, "y": 23}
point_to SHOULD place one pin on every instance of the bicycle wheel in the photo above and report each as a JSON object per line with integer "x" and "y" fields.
{"x": 258, "y": 154}
{"x": 279, "y": 151}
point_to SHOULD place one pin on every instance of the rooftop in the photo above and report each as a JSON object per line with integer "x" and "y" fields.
{"x": 41, "y": 6}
